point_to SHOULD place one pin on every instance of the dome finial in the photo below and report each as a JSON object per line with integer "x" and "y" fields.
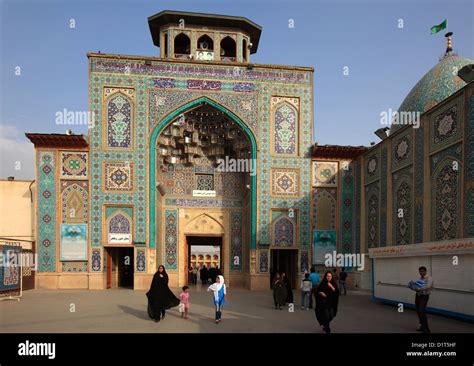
{"x": 449, "y": 44}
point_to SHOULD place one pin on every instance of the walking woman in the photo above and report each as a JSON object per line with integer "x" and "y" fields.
{"x": 327, "y": 297}
{"x": 219, "y": 293}
{"x": 160, "y": 296}
{"x": 279, "y": 292}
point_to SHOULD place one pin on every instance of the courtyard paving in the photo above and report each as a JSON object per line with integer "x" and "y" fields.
{"x": 121, "y": 310}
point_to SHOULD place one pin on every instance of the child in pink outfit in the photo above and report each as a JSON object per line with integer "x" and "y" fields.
{"x": 184, "y": 306}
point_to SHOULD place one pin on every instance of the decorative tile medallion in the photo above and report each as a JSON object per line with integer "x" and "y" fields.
{"x": 119, "y": 177}
{"x": 447, "y": 126}
{"x": 74, "y": 165}
{"x": 402, "y": 151}
{"x": 205, "y": 182}
{"x": 325, "y": 173}
{"x": 284, "y": 182}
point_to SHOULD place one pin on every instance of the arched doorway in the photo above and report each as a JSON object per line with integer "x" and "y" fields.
{"x": 164, "y": 153}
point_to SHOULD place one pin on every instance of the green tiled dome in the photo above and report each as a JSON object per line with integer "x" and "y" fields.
{"x": 437, "y": 84}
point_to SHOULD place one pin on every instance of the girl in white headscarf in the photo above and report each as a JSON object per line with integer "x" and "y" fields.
{"x": 219, "y": 292}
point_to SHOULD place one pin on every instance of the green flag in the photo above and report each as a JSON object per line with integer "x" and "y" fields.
{"x": 436, "y": 28}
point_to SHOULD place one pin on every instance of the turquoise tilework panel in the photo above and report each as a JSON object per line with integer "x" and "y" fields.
{"x": 46, "y": 215}
{"x": 383, "y": 196}
{"x": 419, "y": 179}
{"x": 469, "y": 168}
{"x": 236, "y": 241}
{"x": 171, "y": 239}
{"x": 303, "y": 163}
{"x": 98, "y": 155}
{"x": 347, "y": 204}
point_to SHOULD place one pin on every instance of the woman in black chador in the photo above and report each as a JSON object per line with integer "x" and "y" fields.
{"x": 279, "y": 292}
{"x": 289, "y": 290}
{"x": 160, "y": 296}
{"x": 204, "y": 275}
{"x": 327, "y": 298}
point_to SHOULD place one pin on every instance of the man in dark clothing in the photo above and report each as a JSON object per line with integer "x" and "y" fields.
{"x": 213, "y": 274}
{"x": 342, "y": 281}
{"x": 289, "y": 290}
{"x": 204, "y": 275}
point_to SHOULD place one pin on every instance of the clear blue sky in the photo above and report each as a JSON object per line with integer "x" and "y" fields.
{"x": 384, "y": 61}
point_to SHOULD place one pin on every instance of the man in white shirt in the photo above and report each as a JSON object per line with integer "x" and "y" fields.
{"x": 421, "y": 299}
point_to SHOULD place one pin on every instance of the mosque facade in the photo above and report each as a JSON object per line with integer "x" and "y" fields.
{"x": 146, "y": 182}
{"x": 200, "y": 146}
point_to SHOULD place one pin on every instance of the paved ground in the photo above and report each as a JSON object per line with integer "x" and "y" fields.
{"x": 125, "y": 311}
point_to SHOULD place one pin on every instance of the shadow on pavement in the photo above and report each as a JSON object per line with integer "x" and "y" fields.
{"x": 141, "y": 314}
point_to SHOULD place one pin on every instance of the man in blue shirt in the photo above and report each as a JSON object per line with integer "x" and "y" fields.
{"x": 314, "y": 277}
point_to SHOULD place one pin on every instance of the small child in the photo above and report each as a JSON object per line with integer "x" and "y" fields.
{"x": 184, "y": 306}
{"x": 306, "y": 286}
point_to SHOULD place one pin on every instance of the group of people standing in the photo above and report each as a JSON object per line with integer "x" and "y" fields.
{"x": 203, "y": 274}
{"x": 161, "y": 298}
{"x": 282, "y": 291}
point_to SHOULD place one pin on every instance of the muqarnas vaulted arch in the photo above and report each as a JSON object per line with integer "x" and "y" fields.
{"x": 155, "y": 132}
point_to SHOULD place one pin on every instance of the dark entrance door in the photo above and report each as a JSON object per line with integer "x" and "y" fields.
{"x": 203, "y": 250}
{"x": 119, "y": 267}
{"x": 284, "y": 260}
{"x": 125, "y": 266}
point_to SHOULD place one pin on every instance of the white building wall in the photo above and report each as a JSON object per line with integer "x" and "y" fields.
{"x": 450, "y": 263}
